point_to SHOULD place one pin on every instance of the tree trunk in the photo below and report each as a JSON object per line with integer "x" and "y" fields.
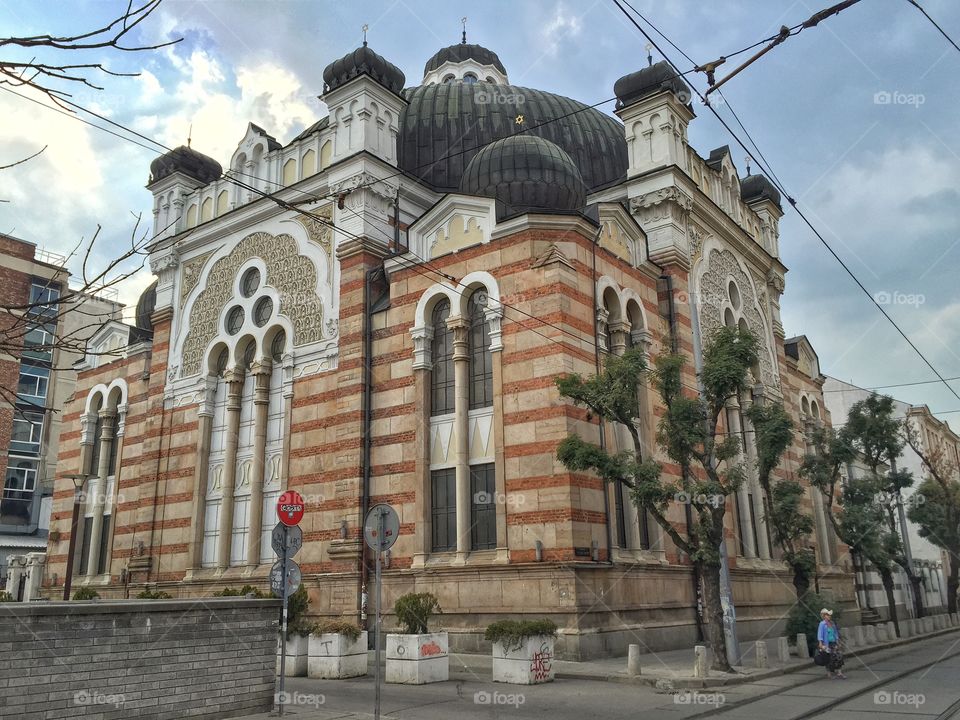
{"x": 713, "y": 610}
{"x": 801, "y": 580}
{"x": 916, "y": 584}
{"x": 887, "y": 577}
{"x": 953, "y": 580}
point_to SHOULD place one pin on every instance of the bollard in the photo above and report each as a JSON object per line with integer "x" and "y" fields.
{"x": 803, "y": 650}
{"x": 860, "y": 641}
{"x": 783, "y": 650}
{"x": 928, "y": 624}
{"x": 954, "y": 620}
{"x": 871, "y": 634}
{"x": 905, "y": 626}
{"x": 891, "y": 631}
{"x": 633, "y": 660}
{"x": 849, "y": 639}
{"x": 760, "y": 654}
{"x": 700, "y": 661}
{"x": 882, "y": 636}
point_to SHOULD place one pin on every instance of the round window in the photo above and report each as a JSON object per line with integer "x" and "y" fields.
{"x": 250, "y": 282}
{"x": 235, "y": 320}
{"x": 734, "y": 292}
{"x": 278, "y": 345}
{"x": 262, "y": 311}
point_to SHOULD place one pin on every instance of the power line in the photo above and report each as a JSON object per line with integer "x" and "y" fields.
{"x": 793, "y": 203}
{"x": 897, "y": 385}
{"x": 934, "y": 23}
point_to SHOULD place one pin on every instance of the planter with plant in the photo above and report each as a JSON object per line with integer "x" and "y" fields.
{"x": 86, "y": 593}
{"x": 154, "y": 595}
{"x": 522, "y": 651}
{"x": 298, "y": 633}
{"x": 416, "y": 656}
{"x": 337, "y": 649}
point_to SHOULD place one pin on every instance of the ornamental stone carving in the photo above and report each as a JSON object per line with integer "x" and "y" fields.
{"x": 292, "y": 274}
{"x": 190, "y": 275}
{"x": 664, "y": 204}
{"x": 721, "y": 266}
{"x": 321, "y": 233}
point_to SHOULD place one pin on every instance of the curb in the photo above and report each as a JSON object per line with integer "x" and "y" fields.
{"x": 691, "y": 683}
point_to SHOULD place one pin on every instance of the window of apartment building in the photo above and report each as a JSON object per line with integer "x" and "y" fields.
{"x": 443, "y": 489}
{"x": 38, "y": 342}
{"x": 32, "y": 385}
{"x": 483, "y": 509}
{"x": 19, "y": 487}
{"x": 43, "y": 298}
{"x": 27, "y": 433}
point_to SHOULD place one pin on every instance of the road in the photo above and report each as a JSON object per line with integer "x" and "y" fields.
{"x": 919, "y": 681}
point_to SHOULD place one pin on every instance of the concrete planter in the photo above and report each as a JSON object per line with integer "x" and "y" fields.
{"x": 530, "y": 664}
{"x": 418, "y": 659}
{"x": 335, "y": 656}
{"x": 296, "y": 656}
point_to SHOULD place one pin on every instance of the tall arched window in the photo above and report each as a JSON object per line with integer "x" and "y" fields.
{"x": 442, "y": 379}
{"x": 481, "y": 361}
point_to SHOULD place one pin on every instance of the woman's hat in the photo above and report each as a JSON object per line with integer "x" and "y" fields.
{"x": 825, "y": 611}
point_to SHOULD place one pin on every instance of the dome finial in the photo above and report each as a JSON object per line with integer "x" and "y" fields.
{"x": 748, "y": 160}
{"x": 189, "y": 134}
{"x": 649, "y": 54}
{"x": 463, "y": 39}
{"x": 365, "y": 28}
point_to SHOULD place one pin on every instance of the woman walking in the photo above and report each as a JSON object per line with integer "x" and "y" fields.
{"x": 828, "y": 641}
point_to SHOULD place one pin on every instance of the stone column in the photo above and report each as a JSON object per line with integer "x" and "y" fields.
{"x": 115, "y": 494}
{"x": 603, "y": 315}
{"x": 261, "y": 398}
{"x": 750, "y": 446}
{"x": 234, "y": 380}
{"x": 201, "y": 471}
{"x": 461, "y": 372}
{"x": 493, "y": 315}
{"x": 618, "y": 336}
{"x": 743, "y": 500}
{"x": 106, "y": 440}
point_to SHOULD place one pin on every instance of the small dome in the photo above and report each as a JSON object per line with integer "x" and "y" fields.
{"x": 659, "y": 76}
{"x": 187, "y": 161}
{"x": 145, "y": 307}
{"x": 464, "y": 51}
{"x": 526, "y": 174}
{"x": 758, "y": 187}
{"x": 363, "y": 61}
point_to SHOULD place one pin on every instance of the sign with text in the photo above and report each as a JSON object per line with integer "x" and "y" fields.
{"x": 286, "y": 540}
{"x": 290, "y": 508}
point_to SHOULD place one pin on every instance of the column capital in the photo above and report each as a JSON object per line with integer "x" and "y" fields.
{"x": 461, "y": 345}
{"x": 494, "y": 317}
{"x": 422, "y": 337}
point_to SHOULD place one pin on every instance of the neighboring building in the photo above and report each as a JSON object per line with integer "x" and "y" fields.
{"x": 400, "y": 344}
{"x": 927, "y": 557}
{"x": 38, "y": 365}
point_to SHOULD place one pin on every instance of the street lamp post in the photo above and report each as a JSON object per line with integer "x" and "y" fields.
{"x": 79, "y": 479}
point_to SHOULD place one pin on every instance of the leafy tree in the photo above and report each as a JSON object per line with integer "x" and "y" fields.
{"x": 782, "y": 501}
{"x": 804, "y": 617}
{"x": 689, "y": 434}
{"x": 939, "y": 514}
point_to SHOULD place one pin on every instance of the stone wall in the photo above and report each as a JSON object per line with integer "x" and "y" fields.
{"x": 149, "y": 659}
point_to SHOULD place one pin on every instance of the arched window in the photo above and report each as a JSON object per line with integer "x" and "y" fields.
{"x": 481, "y": 362}
{"x": 442, "y": 379}
{"x": 470, "y": 78}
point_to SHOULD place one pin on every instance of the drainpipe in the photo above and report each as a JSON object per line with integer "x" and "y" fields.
{"x": 596, "y": 356}
{"x": 365, "y": 430}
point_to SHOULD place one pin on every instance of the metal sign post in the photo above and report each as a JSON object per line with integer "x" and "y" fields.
{"x": 283, "y": 629}
{"x": 285, "y": 576}
{"x": 380, "y": 530}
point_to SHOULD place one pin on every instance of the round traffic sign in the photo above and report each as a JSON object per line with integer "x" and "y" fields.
{"x": 381, "y": 527}
{"x": 290, "y": 507}
{"x": 291, "y": 582}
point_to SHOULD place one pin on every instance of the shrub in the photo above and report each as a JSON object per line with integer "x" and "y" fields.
{"x": 297, "y": 606}
{"x": 5, "y": 596}
{"x": 804, "y": 617}
{"x": 414, "y": 611}
{"x": 154, "y": 595}
{"x": 86, "y": 593}
{"x": 339, "y": 627}
{"x": 512, "y": 633}
{"x": 242, "y": 592}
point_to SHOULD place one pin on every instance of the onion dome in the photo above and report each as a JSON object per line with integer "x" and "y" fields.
{"x": 363, "y": 61}
{"x": 462, "y": 52}
{"x": 526, "y": 174}
{"x": 143, "y": 325}
{"x": 188, "y": 161}
{"x": 444, "y": 125}
{"x": 758, "y": 187}
{"x": 649, "y": 81}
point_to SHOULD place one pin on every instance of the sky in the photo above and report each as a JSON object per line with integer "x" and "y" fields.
{"x": 857, "y": 117}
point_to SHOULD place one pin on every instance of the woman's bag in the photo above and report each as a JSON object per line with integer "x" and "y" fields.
{"x": 821, "y": 657}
